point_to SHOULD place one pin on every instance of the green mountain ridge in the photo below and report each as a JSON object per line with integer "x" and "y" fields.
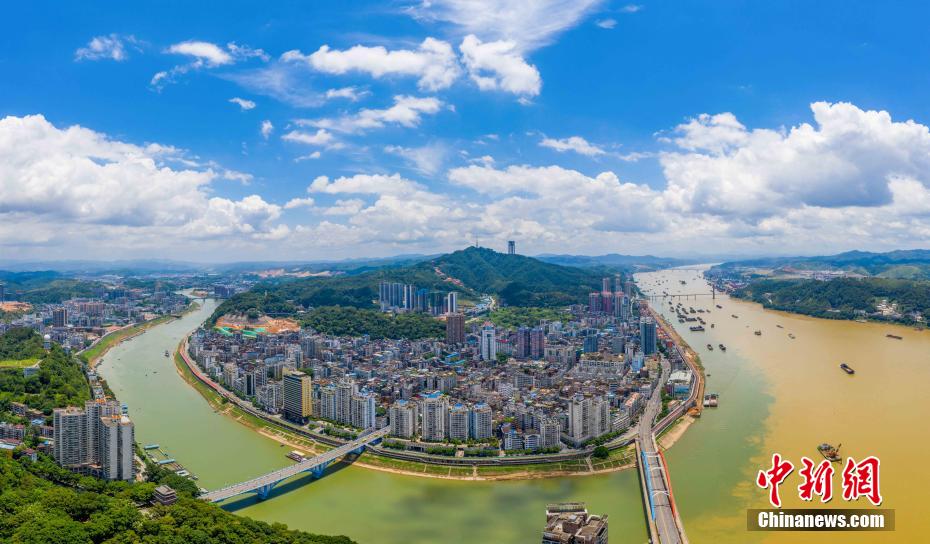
{"x": 516, "y": 279}
{"x": 902, "y": 264}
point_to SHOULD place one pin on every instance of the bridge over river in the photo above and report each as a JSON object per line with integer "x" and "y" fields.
{"x": 315, "y": 465}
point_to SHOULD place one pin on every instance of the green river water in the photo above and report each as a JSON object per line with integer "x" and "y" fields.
{"x": 777, "y": 394}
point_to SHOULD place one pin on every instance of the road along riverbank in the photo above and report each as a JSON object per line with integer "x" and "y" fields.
{"x": 94, "y": 353}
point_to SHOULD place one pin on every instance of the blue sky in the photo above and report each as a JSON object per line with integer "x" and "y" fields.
{"x": 230, "y": 131}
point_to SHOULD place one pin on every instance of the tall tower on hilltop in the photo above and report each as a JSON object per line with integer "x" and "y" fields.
{"x": 511, "y": 247}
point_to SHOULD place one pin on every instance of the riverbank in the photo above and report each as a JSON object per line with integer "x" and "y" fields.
{"x": 618, "y": 459}
{"x": 92, "y": 354}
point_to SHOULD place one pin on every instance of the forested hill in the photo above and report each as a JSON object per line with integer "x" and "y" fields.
{"x": 46, "y": 286}
{"x": 517, "y": 280}
{"x": 843, "y": 298}
{"x": 899, "y": 264}
{"x": 60, "y": 381}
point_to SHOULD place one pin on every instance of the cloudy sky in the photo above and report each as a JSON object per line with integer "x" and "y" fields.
{"x": 221, "y": 131}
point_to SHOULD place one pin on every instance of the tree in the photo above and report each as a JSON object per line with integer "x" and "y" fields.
{"x": 601, "y": 452}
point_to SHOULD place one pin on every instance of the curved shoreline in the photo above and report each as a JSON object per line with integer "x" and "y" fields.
{"x": 187, "y": 370}
{"x": 132, "y": 331}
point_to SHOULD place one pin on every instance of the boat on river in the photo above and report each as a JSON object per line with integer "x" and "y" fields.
{"x": 722, "y": 347}
{"x": 791, "y": 335}
{"x": 710, "y": 347}
{"x": 734, "y": 316}
{"x": 829, "y": 452}
{"x": 847, "y": 369}
{"x": 895, "y": 336}
{"x": 697, "y": 328}
{"x": 166, "y": 353}
{"x": 758, "y": 333}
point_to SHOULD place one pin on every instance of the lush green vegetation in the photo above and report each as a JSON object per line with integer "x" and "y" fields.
{"x": 519, "y": 280}
{"x": 900, "y": 264}
{"x": 603, "y": 439}
{"x": 842, "y": 298}
{"x": 339, "y": 433}
{"x": 47, "y": 287}
{"x": 441, "y": 450}
{"x": 341, "y": 321}
{"x": 516, "y": 280}
{"x": 44, "y": 504}
{"x": 601, "y": 452}
{"x": 356, "y": 291}
{"x": 511, "y": 317}
{"x": 21, "y": 343}
{"x": 60, "y": 381}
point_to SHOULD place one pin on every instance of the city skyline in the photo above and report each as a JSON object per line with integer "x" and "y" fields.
{"x": 320, "y": 132}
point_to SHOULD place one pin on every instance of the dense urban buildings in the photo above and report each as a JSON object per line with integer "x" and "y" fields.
{"x": 400, "y": 297}
{"x": 542, "y": 387}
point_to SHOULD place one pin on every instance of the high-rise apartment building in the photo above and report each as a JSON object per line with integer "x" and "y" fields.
{"x": 328, "y": 402}
{"x": 98, "y": 438}
{"x": 588, "y": 417}
{"x": 404, "y": 419}
{"x": 435, "y": 407}
{"x": 522, "y": 345}
{"x": 458, "y": 422}
{"x": 647, "y": 336}
{"x": 94, "y": 410}
{"x": 480, "y": 422}
{"x": 60, "y": 317}
{"x": 455, "y": 328}
{"x": 296, "y": 389}
{"x": 363, "y": 410}
{"x": 488, "y": 343}
{"x": 590, "y": 343}
{"x": 550, "y": 431}
{"x": 345, "y": 390}
{"x": 70, "y": 433}
{"x": 537, "y": 343}
{"x": 116, "y": 441}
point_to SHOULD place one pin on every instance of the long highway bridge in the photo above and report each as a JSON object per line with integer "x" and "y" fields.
{"x": 663, "y": 518}
{"x": 263, "y": 485}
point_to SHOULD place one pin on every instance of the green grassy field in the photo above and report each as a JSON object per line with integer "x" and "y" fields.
{"x": 22, "y": 363}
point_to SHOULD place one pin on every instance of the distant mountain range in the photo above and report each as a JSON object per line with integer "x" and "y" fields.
{"x": 899, "y": 264}
{"x": 140, "y": 267}
{"x": 635, "y": 263}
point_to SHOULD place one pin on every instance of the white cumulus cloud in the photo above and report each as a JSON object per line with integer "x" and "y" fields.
{"x": 433, "y": 62}
{"x": 243, "y": 103}
{"x": 266, "y": 129}
{"x": 573, "y": 143}
{"x": 498, "y": 65}
{"x": 407, "y": 111}
{"x": 74, "y": 177}
{"x": 112, "y": 47}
